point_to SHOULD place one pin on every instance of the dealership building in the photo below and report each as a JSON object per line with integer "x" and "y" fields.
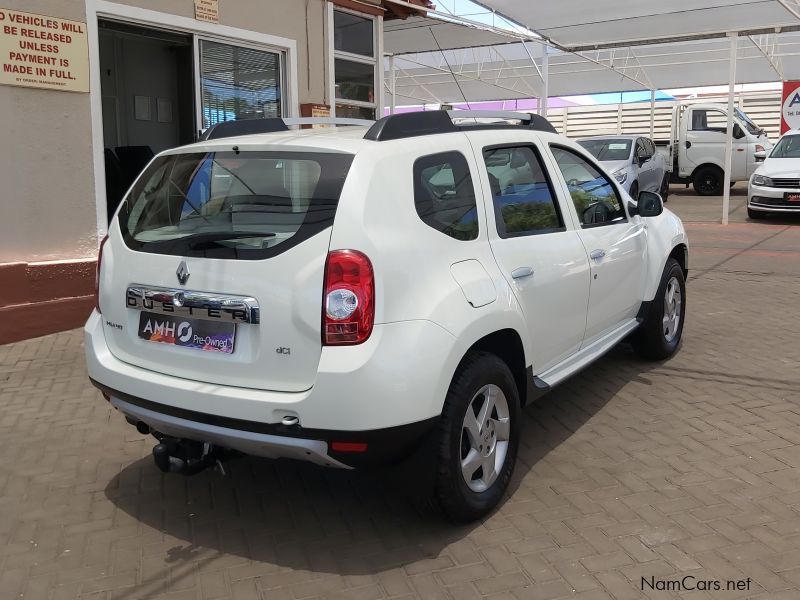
{"x": 90, "y": 90}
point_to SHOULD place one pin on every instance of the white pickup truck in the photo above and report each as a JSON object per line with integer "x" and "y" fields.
{"x": 697, "y": 146}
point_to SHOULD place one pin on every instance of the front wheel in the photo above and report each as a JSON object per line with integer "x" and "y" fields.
{"x": 708, "y": 181}
{"x": 660, "y": 334}
{"x": 479, "y": 438}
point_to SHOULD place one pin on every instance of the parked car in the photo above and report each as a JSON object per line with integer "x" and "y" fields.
{"x": 775, "y": 186}
{"x": 633, "y": 161}
{"x": 350, "y": 296}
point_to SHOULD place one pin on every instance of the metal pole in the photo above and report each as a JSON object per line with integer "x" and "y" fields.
{"x": 652, "y": 114}
{"x": 392, "y": 85}
{"x": 726, "y": 191}
{"x": 545, "y": 81}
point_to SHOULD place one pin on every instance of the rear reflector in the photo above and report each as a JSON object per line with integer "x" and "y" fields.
{"x": 349, "y": 446}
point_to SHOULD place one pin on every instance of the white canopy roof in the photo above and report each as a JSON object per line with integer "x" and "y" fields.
{"x": 577, "y": 24}
{"x": 475, "y": 67}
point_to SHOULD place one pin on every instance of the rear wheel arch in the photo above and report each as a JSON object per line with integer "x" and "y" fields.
{"x": 507, "y": 345}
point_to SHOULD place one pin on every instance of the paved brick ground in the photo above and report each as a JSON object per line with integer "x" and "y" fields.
{"x": 630, "y": 470}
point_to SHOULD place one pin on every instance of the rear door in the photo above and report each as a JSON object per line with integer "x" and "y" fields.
{"x": 616, "y": 245}
{"x": 536, "y": 246}
{"x": 214, "y": 267}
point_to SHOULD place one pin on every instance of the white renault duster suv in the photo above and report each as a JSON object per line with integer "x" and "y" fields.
{"x": 348, "y": 295}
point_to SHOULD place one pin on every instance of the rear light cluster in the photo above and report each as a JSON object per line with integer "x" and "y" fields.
{"x": 348, "y": 302}
{"x": 97, "y": 275}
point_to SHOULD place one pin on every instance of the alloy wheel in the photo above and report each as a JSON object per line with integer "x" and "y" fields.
{"x": 484, "y": 438}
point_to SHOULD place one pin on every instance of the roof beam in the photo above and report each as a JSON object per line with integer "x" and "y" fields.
{"x": 769, "y": 55}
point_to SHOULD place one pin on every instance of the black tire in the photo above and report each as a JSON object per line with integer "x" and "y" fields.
{"x": 665, "y": 188}
{"x": 756, "y": 215}
{"x": 708, "y": 181}
{"x": 650, "y": 340}
{"x": 634, "y": 193}
{"x": 453, "y": 496}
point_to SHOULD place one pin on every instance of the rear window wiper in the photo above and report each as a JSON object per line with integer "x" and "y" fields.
{"x": 204, "y": 240}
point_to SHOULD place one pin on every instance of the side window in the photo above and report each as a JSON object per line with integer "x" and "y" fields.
{"x": 444, "y": 195}
{"x": 523, "y": 198}
{"x": 709, "y": 120}
{"x": 595, "y": 198}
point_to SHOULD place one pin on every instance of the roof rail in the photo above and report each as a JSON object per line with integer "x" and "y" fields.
{"x": 252, "y": 126}
{"x": 407, "y": 125}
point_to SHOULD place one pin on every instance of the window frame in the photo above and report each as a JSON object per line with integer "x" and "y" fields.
{"x": 375, "y": 61}
{"x": 414, "y": 178}
{"x": 548, "y": 179}
{"x": 707, "y": 128}
{"x": 602, "y": 173}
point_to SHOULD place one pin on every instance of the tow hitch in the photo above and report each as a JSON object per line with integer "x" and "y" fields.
{"x": 187, "y": 457}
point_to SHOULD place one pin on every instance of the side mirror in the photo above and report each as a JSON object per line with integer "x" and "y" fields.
{"x": 738, "y": 132}
{"x": 650, "y": 204}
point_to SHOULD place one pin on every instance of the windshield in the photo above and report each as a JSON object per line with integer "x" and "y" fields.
{"x": 748, "y": 122}
{"x": 787, "y": 147}
{"x": 248, "y": 205}
{"x": 608, "y": 150}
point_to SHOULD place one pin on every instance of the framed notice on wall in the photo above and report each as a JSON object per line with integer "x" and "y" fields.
{"x": 206, "y": 10}
{"x": 43, "y": 52}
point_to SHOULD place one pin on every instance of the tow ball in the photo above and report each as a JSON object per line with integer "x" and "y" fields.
{"x": 187, "y": 457}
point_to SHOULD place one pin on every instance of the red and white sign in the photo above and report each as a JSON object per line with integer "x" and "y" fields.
{"x": 790, "y": 113}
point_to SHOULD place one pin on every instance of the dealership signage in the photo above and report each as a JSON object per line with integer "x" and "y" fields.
{"x": 43, "y": 52}
{"x": 206, "y": 10}
{"x": 790, "y": 113}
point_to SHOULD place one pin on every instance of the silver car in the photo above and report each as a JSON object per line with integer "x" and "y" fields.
{"x": 633, "y": 161}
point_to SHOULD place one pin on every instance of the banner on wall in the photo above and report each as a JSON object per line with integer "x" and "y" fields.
{"x": 43, "y": 52}
{"x": 790, "y": 113}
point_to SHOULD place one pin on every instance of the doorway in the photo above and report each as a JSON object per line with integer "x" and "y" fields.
{"x": 147, "y": 89}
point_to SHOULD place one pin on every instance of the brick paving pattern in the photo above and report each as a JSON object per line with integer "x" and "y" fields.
{"x": 630, "y": 470}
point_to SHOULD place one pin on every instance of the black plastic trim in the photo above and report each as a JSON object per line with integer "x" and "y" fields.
{"x": 416, "y": 124}
{"x": 536, "y": 386}
{"x": 383, "y": 445}
{"x": 244, "y": 127}
{"x": 644, "y": 310}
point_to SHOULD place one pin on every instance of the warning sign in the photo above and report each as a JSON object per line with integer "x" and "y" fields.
{"x": 206, "y": 10}
{"x": 43, "y": 52}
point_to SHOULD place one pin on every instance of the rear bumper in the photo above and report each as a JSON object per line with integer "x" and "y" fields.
{"x": 378, "y": 393}
{"x": 365, "y": 448}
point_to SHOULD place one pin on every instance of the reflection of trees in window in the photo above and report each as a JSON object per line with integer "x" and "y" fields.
{"x": 529, "y": 217}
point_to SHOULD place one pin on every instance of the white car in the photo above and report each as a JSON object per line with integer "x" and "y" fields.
{"x": 633, "y": 161}
{"x": 775, "y": 186}
{"x": 349, "y": 296}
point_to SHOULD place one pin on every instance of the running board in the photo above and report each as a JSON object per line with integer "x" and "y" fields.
{"x": 586, "y": 356}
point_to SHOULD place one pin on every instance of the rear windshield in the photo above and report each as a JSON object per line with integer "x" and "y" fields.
{"x": 247, "y": 205}
{"x": 611, "y": 149}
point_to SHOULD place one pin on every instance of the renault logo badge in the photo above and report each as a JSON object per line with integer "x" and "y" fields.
{"x": 182, "y": 273}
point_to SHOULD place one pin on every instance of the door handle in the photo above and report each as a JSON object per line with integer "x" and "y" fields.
{"x": 597, "y": 254}
{"x": 522, "y": 272}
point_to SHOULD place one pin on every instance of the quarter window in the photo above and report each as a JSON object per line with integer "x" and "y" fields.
{"x": 523, "y": 199}
{"x": 595, "y": 198}
{"x": 444, "y": 195}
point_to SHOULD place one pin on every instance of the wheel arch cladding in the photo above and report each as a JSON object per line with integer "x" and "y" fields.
{"x": 506, "y": 344}
{"x": 680, "y": 254}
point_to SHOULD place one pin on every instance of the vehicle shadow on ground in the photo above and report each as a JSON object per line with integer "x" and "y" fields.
{"x": 284, "y": 514}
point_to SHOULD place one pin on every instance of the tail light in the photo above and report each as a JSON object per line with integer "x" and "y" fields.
{"x": 97, "y": 275}
{"x": 348, "y": 310}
